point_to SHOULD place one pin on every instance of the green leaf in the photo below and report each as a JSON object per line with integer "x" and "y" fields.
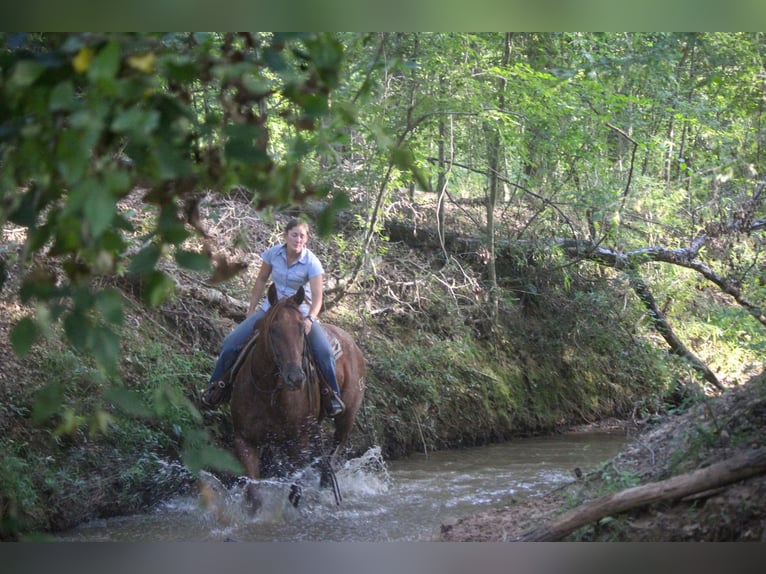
{"x": 25, "y": 73}
{"x": 23, "y": 335}
{"x": 78, "y": 330}
{"x": 106, "y": 63}
{"x": 62, "y": 97}
{"x": 47, "y": 402}
{"x": 241, "y": 143}
{"x": 171, "y": 162}
{"x": 170, "y": 227}
{"x": 158, "y": 287}
{"x": 182, "y": 70}
{"x": 99, "y": 422}
{"x": 109, "y": 303}
{"x": 145, "y": 260}
{"x": 25, "y": 213}
{"x": 167, "y": 398}
{"x": 39, "y": 284}
{"x": 198, "y": 457}
{"x": 192, "y": 260}
{"x": 130, "y": 402}
{"x": 326, "y": 218}
{"x": 70, "y": 423}
{"x": 136, "y": 122}
{"x": 105, "y": 345}
{"x": 72, "y": 155}
{"x": 99, "y": 210}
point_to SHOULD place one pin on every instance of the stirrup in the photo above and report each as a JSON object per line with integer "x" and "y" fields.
{"x": 217, "y": 392}
{"x": 335, "y": 411}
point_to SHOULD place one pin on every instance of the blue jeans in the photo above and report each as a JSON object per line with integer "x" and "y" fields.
{"x": 234, "y": 341}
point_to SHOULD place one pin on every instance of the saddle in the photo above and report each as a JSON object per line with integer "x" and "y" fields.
{"x": 220, "y": 391}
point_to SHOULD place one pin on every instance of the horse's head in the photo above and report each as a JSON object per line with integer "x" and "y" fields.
{"x": 285, "y": 329}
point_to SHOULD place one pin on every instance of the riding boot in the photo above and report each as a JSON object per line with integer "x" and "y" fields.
{"x": 336, "y": 404}
{"x": 217, "y": 392}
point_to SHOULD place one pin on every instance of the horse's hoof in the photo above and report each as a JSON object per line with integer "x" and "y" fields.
{"x": 295, "y": 495}
{"x": 253, "y": 499}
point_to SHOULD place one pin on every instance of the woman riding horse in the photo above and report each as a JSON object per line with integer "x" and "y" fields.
{"x": 291, "y": 265}
{"x": 276, "y": 403}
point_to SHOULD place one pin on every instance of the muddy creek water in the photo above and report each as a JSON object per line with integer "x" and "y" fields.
{"x": 402, "y": 500}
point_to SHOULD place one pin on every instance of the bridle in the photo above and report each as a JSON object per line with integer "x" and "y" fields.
{"x": 307, "y": 364}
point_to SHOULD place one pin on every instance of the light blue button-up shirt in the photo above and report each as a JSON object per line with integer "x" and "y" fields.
{"x": 289, "y": 279}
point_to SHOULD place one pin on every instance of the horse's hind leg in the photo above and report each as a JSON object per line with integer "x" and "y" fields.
{"x": 251, "y": 459}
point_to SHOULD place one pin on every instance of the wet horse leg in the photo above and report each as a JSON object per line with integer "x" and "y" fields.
{"x": 299, "y": 453}
{"x": 251, "y": 459}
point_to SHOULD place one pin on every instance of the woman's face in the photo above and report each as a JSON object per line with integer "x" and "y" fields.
{"x": 296, "y": 238}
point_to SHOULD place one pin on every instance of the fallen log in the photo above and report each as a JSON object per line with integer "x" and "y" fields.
{"x": 716, "y": 475}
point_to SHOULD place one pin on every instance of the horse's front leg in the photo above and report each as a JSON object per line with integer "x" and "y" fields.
{"x": 251, "y": 459}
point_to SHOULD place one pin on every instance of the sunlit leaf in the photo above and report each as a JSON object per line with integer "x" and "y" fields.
{"x": 82, "y": 59}
{"x": 143, "y": 63}
{"x": 99, "y": 422}
{"x": 71, "y": 421}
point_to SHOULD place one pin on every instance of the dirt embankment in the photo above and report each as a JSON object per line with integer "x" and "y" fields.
{"x": 713, "y": 431}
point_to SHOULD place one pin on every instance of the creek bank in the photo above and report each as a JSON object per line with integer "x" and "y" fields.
{"x": 713, "y": 430}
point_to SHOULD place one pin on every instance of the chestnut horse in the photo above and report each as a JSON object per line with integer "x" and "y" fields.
{"x": 277, "y": 401}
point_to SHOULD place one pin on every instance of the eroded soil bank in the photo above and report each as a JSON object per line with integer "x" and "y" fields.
{"x": 711, "y": 431}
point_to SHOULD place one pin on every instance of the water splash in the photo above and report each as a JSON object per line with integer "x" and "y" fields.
{"x": 366, "y": 475}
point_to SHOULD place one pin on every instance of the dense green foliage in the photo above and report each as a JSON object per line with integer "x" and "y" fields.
{"x": 87, "y": 118}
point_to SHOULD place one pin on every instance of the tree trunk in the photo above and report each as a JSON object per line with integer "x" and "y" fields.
{"x": 493, "y": 153}
{"x": 441, "y": 183}
{"x": 720, "y": 474}
{"x": 663, "y": 328}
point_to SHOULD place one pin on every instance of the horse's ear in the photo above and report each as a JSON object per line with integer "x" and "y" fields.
{"x": 300, "y": 295}
{"x": 272, "y": 295}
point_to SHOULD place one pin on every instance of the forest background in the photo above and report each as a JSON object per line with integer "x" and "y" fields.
{"x": 517, "y": 227}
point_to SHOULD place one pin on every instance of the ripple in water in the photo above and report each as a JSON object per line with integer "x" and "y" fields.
{"x": 405, "y": 500}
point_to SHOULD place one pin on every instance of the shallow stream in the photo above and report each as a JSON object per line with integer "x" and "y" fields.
{"x": 402, "y": 500}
